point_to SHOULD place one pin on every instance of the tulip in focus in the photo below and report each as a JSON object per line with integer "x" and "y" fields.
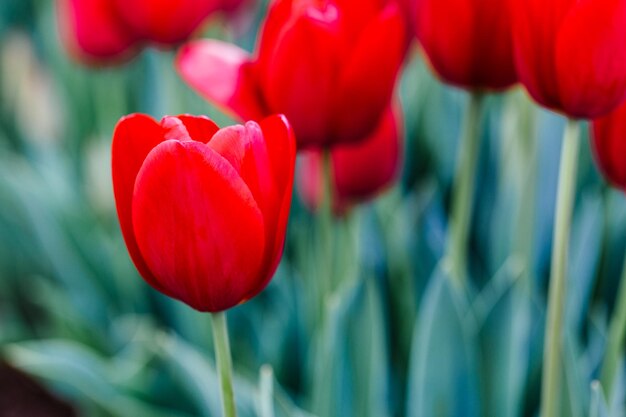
{"x": 571, "y": 55}
{"x": 359, "y": 171}
{"x": 468, "y": 42}
{"x": 609, "y": 146}
{"x": 203, "y": 210}
{"x": 330, "y": 66}
{"x": 98, "y": 31}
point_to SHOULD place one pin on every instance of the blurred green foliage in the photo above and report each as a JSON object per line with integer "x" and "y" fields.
{"x": 378, "y": 331}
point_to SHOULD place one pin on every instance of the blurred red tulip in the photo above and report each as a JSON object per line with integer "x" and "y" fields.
{"x": 204, "y": 210}
{"x": 468, "y": 42}
{"x": 97, "y": 31}
{"x": 165, "y": 21}
{"x": 330, "y": 66}
{"x": 92, "y": 30}
{"x": 360, "y": 171}
{"x": 609, "y": 146}
{"x": 571, "y": 54}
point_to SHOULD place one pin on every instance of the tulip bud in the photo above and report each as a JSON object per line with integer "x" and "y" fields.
{"x": 106, "y": 31}
{"x": 468, "y": 42}
{"x": 203, "y": 210}
{"x": 92, "y": 31}
{"x": 359, "y": 171}
{"x": 609, "y": 146}
{"x": 571, "y": 55}
{"x": 329, "y": 66}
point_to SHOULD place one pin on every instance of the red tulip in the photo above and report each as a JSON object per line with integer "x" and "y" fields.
{"x": 571, "y": 54}
{"x": 360, "y": 171}
{"x": 330, "y": 66}
{"x": 97, "y": 31}
{"x": 92, "y": 30}
{"x": 203, "y": 210}
{"x": 468, "y": 42}
{"x": 165, "y": 21}
{"x": 609, "y": 146}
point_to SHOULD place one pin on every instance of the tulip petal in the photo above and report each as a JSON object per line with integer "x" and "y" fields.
{"x": 223, "y": 74}
{"x": 609, "y": 146}
{"x": 360, "y": 170}
{"x": 165, "y": 21}
{"x": 276, "y": 23}
{"x": 199, "y": 128}
{"x": 264, "y": 156}
{"x": 134, "y": 137}
{"x": 93, "y": 32}
{"x": 535, "y": 27}
{"x": 591, "y": 58}
{"x": 468, "y": 42}
{"x": 356, "y": 15}
{"x": 244, "y": 148}
{"x": 281, "y": 147}
{"x": 368, "y": 80}
{"x": 300, "y": 81}
{"x": 364, "y": 169}
{"x": 198, "y": 225}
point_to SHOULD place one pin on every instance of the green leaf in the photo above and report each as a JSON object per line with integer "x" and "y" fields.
{"x": 599, "y": 407}
{"x": 443, "y": 379}
{"x": 505, "y": 333}
{"x": 199, "y": 377}
{"x": 81, "y": 374}
{"x": 350, "y": 371}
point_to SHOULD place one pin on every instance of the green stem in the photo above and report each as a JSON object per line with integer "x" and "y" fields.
{"x": 224, "y": 363}
{"x": 326, "y": 225}
{"x": 551, "y": 378}
{"x": 463, "y": 190}
{"x": 615, "y": 343}
{"x": 525, "y": 231}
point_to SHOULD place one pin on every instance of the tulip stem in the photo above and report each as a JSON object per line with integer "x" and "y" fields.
{"x": 552, "y": 366}
{"x": 615, "y": 342}
{"x": 326, "y": 224}
{"x": 224, "y": 363}
{"x": 463, "y": 190}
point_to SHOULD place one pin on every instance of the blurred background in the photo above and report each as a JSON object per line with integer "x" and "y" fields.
{"x": 381, "y": 334}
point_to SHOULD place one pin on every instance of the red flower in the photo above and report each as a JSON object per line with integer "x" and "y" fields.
{"x": 97, "y": 31}
{"x": 92, "y": 30}
{"x": 360, "y": 171}
{"x": 468, "y": 42}
{"x": 203, "y": 210}
{"x": 571, "y": 54}
{"x": 330, "y": 66}
{"x": 609, "y": 146}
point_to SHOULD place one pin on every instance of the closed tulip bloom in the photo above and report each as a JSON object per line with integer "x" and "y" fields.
{"x": 359, "y": 171}
{"x": 571, "y": 54}
{"x": 92, "y": 30}
{"x": 468, "y": 42}
{"x": 165, "y": 21}
{"x": 108, "y": 31}
{"x": 609, "y": 146}
{"x": 203, "y": 210}
{"x": 330, "y": 66}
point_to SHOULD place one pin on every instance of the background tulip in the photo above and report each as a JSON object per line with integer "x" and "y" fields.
{"x": 334, "y": 90}
{"x": 166, "y": 21}
{"x": 571, "y": 55}
{"x": 93, "y": 31}
{"x": 609, "y": 146}
{"x": 203, "y": 210}
{"x": 105, "y": 30}
{"x": 468, "y": 42}
{"x": 359, "y": 171}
